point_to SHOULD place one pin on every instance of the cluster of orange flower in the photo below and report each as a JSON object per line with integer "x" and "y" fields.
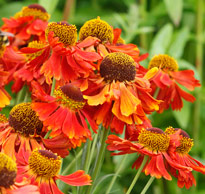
{"x": 78, "y": 82}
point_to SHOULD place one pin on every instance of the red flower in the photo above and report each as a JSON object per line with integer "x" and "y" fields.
{"x": 167, "y": 81}
{"x": 68, "y": 60}
{"x": 154, "y": 143}
{"x": 8, "y": 182}
{"x": 65, "y": 113}
{"x": 181, "y": 156}
{"x": 120, "y": 93}
{"x": 109, "y": 39}
{"x": 4, "y": 96}
{"x": 41, "y": 167}
{"x": 30, "y": 22}
{"x": 22, "y": 127}
{"x": 11, "y": 62}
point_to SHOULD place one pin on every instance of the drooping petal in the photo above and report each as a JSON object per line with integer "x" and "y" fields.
{"x": 78, "y": 178}
{"x": 186, "y": 78}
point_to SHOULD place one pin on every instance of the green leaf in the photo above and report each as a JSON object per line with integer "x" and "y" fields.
{"x": 174, "y": 9}
{"x": 177, "y": 47}
{"x": 162, "y": 40}
{"x": 100, "y": 180}
{"x": 183, "y": 116}
{"x": 49, "y": 5}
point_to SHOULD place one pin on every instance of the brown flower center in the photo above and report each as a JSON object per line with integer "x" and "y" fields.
{"x": 44, "y": 163}
{"x": 154, "y": 139}
{"x": 164, "y": 62}
{"x": 66, "y": 33}
{"x": 7, "y": 171}
{"x": 24, "y": 120}
{"x": 70, "y": 96}
{"x": 119, "y": 67}
{"x": 96, "y": 28}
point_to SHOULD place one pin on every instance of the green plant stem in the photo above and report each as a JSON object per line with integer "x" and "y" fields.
{"x": 53, "y": 86}
{"x": 137, "y": 175}
{"x": 72, "y": 163}
{"x": 87, "y": 156}
{"x": 148, "y": 185}
{"x": 92, "y": 152}
{"x": 99, "y": 159}
{"x": 199, "y": 67}
{"x": 116, "y": 174}
{"x": 20, "y": 95}
{"x": 143, "y": 14}
{"x": 26, "y": 97}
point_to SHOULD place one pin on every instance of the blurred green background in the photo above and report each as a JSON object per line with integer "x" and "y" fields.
{"x": 174, "y": 27}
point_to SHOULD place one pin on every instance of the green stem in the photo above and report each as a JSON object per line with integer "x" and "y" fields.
{"x": 116, "y": 174}
{"x": 87, "y": 156}
{"x": 72, "y": 163}
{"x": 53, "y": 86}
{"x": 137, "y": 175}
{"x": 148, "y": 185}
{"x": 199, "y": 67}
{"x": 143, "y": 13}
{"x": 92, "y": 152}
{"x": 26, "y": 97}
{"x": 99, "y": 159}
{"x": 20, "y": 95}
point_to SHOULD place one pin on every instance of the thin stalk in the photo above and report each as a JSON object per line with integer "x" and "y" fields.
{"x": 26, "y": 97}
{"x": 137, "y": 175}
{"x": 99, "y": 159}
{"x": 199, "y": 67}
{"x": 68, "y": 11}
{"x": 92, "y": 152}
{"x": 87, "y": 156}
{"x": 143, "y": 14}
{"x": 19, "y": 96}
{"x": 116, "y": 174}
{"x": 72, "y": 163}
{"x": 53, "y": 86}
{"x": 148, "y": 185}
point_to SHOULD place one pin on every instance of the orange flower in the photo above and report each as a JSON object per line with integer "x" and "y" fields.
{"x": 120, "y": 93}
{"x": 65, "y": 113}
{"x": 109, "y": 39}
{"x": 11, "y": 62}
{"x": 30, "y": 70}
{"x": 167, "y": 80}
{"x": 181, "y": 156}
{"x": 8, "y": 183}
{"x": 30, "y": 22}
{"x": 154, "y": 143}
{"x": 4, "y": 96}
{"x": 68, "y": 60}
{"x": 22, "y": 127}
{"x": 42, "y": 168}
